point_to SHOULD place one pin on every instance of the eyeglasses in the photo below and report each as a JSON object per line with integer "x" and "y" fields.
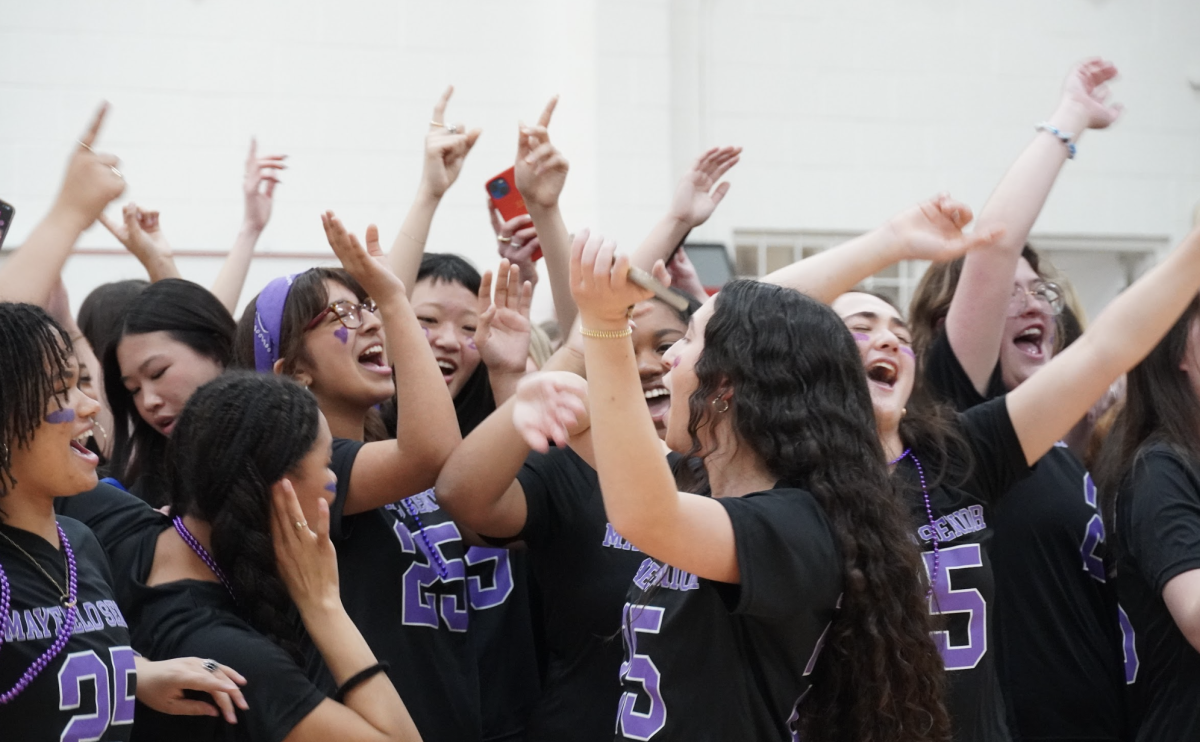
{"x": 1050, "y": 294}
{"x": 348, "y": 313}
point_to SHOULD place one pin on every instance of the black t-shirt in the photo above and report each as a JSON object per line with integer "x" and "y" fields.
{"x": 404, "y": 584}
{"x": 711, "y": 660}
{"x": 193, "y": 618}
{"x": 1157, "y": 539}
{"x": 1058, "y": 640}
{"x": 963, "y": 509}
{"x": 583, "y": 568}
{"x": 87, "y": 690}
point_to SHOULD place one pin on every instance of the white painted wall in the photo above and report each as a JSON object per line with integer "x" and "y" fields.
{"x": 848, "y": 110}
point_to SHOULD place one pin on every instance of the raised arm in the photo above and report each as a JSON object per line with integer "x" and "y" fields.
{"x": 446, "y": 148}
{"x": 541, "y": 173}
{"x": 258, "y": 190}
{"x": 91, "y": 182}
{"x": 975, "y": 320}
{"x": 502, "y": 331}
{"x": 1046, "y": 405}
{"x": 931, "y": 230}
{"x": 427, "y": 427}
{"x": 139, "y": 231}
{"x": 696, "y": 198}
{"x": 370, "y": 711}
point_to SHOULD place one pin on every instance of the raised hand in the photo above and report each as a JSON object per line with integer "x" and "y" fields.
{"x": 517, "y": 241}
{"x": 695, "y": 197}
{"x": 1086, "y": 88}
{"x": 684, "y": 276}
{"x": 600, "y": 283}
{"x": 140, "y": 233}
{"x": 306, "y": 557}
{"x": 933, "y": 230}
{"x": 162, "y": 685}
{"x": 541, "y": 170}
{"x": 502, "y": 332}
{"x": 446, "y": 148}
{"x": 367, "y": 265}
{"x": 549, "y": 407}
{"x": 258, "y": 186}
{"x": 92, "y": 179}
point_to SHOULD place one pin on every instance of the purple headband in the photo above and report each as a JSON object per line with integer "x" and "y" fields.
{"x": 268, "y": 322}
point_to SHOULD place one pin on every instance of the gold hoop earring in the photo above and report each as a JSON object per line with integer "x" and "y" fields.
{"x": 723, "y": 408}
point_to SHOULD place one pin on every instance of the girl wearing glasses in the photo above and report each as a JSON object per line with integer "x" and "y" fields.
{"x": 983, "y": 326}
{"x": 351, "y": 337}
{"x": 174, "y": 337}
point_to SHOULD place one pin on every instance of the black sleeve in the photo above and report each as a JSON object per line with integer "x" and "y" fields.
{"x": 1164, "y": 505}
{"x": 948, "y": 380}
{"x": 345, "y": 451}
{"x": 786, "y": 553}
{"x": 542, "y": 479}
{"x": 999, "y": 460}
{"x": 277, "y": 691}
{"x": 115, "y": 516}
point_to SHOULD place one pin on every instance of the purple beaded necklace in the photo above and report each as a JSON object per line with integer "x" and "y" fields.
{"x": 65, "y": 629}
{"x": 201, "y": 552}
{"x": 443, "y": 570}
{"x": 933, "y": 534}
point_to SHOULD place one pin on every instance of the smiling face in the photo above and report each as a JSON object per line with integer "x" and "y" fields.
{"x": 658, "y": 328}
{"x": 1028, "y": 342}
{"x": 681, "y": 381}
{"x": 349, "y": 366}
{"x": 55, "y": 461}
{"x": 161, "y": 374}
{"x": 885, "y": 345}
{"x": 448, "y": 313}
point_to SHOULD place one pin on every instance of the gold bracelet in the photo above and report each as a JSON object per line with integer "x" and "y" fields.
{"x": 606, "y": 334}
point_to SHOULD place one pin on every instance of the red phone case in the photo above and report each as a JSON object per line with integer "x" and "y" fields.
{"x": 507, "y": 199}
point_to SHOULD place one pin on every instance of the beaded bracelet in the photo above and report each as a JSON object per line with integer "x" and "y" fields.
{"x": 606, "y": 334}
{"x": 358, "y": 679}
{"x": 1049, "y": 128}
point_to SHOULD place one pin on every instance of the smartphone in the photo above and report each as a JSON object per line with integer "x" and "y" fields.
{"x": 650, "y": 283}
{"x": 6, "y": 217}
{"x": 507, "y": 199}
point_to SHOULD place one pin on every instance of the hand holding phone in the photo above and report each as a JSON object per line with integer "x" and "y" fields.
{"x": 505, "y": 198}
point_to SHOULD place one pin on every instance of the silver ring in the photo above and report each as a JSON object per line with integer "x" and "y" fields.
{"x": 210, "y": 665}
{"x": 451, "y": 129}
{"x": 516, "y": 245}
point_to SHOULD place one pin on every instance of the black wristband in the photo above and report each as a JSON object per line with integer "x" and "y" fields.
{"x": 358, "y": 679}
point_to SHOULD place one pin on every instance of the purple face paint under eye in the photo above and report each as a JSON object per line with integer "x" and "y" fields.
{"x": 908, "y": 352}
{"x": 331, "y": 487}
{"x": 341, "y": 334}
{"x": 61, "y": 416}
{"x": 861, "y": 337}
{"x": 471, "y": 344}
{"x": 675, "y": 362}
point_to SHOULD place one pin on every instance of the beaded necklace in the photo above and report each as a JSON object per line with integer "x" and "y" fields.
{"x": 933, "y": 534}
{"x": 443, "y": 570}
{"x": 201, "y": 552}
{"x": 65, "y": 628}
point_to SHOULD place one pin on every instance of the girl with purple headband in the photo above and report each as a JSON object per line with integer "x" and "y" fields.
{"x": 351, "y": 337}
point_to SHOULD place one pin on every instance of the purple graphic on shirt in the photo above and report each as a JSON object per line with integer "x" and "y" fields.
{"x": 639, "y": 668}
{"x": 57, "y": 417}
{"x": 945, "y": 599}
{"x": 341, "y": 334}
{"x": 1129, "y": 645}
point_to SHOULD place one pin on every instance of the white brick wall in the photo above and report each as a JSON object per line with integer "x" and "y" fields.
{"x": 848, "y": 110}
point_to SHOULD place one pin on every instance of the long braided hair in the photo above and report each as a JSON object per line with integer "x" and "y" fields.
{"x": 34, "y": 355}
{"x": 801, "y": 403}
{"x": 237, "y": 436}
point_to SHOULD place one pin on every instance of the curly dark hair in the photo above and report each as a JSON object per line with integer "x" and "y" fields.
{"x": 1160, "y": 407}
{"x": 35, "y": 352}
{"x": 239, "y": 434}
{"x": 801, "y": 403}
{"x": 191, "y": 315}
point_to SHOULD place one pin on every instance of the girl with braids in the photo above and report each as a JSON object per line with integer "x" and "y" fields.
{"x": 1149, "y": 482}
{"x": 348, "y": 336}
{"x": 801, "y": 545}
{"x": 173, "y": 337}
{"x": 66, "y": 667}
{"x": 954, "y": 470}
